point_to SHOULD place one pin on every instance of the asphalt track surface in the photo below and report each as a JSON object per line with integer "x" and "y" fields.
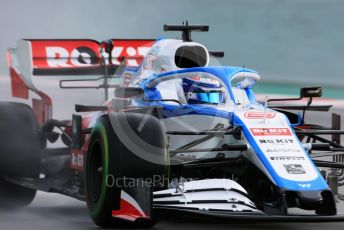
{"x": 53, "y": 211}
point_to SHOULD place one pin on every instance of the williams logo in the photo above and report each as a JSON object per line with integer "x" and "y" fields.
{"x": 305, "y": 185}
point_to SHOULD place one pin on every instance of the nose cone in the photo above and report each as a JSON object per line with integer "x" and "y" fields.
{"x": 322, "y": 201}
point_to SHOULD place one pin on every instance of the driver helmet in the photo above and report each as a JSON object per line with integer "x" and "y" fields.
{"x": 201, "y": 90}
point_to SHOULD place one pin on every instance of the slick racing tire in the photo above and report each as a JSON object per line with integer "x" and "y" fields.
{"x": 20, "y": 149}
{"x": 108, "y": 155}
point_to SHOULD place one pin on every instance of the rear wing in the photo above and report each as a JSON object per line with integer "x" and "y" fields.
{"x": 72, "y": 57}
{"x": 78, "y": 57}
{"x": 42, "y": 58}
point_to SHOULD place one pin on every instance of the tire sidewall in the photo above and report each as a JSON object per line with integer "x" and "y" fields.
{"x": 109, "y": 195}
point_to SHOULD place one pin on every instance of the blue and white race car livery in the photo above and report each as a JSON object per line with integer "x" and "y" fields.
{"x": 176, "y": 133}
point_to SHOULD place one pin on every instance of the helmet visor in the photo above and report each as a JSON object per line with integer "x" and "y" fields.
{"x": 206, "y": 98}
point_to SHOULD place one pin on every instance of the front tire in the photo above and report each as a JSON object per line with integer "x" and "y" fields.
{"x": 109, "y": 156}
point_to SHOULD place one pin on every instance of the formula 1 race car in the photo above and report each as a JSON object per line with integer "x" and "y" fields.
{"x": 175, "y": 135}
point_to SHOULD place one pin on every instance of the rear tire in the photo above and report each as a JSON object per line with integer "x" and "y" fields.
{"x": 20, "y": 145}
{"x": 15, "y": 196}
{"x": 108, "y": 155}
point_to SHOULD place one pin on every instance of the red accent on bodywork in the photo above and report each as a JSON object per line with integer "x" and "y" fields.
{"x": 86, "y": 121}
{"x": 42, "y": 108}
{"x": 127, "y": 211}
{"x": 19, "y": 89}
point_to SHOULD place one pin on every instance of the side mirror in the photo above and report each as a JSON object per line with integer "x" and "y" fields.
{"x": 128, "y": 92}
{"x": 309, "y": 92}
